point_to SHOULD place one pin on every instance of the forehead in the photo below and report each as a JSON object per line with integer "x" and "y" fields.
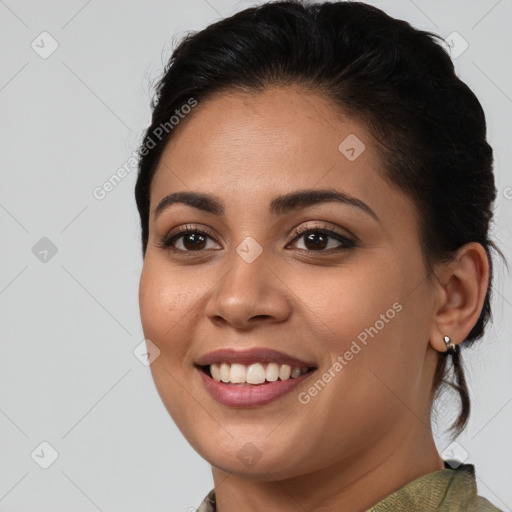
{"x": 249, "y": 147}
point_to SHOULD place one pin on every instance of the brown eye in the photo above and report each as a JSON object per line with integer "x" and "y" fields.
{"x": 322, "y": 240}
{"x": 194, "y": 241}
{"x": 316, "y": 240}
{"x": 188, "y": 240}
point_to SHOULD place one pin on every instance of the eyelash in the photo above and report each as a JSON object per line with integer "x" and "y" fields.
{"x": 167, "y": 241}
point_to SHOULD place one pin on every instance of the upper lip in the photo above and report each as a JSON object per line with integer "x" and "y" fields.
{"x": 254, "y": 355}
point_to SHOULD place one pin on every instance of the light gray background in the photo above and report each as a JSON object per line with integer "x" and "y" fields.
{"x": 68, "y": 375}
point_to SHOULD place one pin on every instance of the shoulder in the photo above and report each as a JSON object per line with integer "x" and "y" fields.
{"x": 479, "y": 504}
{"x": 441, "y": 491}
{"x": 465, "y": 491}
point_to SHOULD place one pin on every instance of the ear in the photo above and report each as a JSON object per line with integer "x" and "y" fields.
{"x": 462, "y": 287}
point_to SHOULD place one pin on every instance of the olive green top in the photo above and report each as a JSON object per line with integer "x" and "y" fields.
{"x": 446, "y": 490}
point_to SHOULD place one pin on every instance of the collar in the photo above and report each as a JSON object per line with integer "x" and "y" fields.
{"x": 452, "y": 488}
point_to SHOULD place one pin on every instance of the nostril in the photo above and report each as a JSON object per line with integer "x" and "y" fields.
{"x": 260, "y": 317}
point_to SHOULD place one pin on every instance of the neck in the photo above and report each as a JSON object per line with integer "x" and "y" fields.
{"x": 355, "y": 484}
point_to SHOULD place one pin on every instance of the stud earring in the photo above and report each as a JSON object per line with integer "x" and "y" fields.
{"x": 450, "y": 347}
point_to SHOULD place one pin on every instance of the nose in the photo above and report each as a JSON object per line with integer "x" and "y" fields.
{"x": 248, "y": 294}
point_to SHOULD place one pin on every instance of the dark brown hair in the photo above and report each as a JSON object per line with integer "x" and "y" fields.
{"x": 429, "y": 126}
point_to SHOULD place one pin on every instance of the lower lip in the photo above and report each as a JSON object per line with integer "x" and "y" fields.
{"x": 249, "y": 395}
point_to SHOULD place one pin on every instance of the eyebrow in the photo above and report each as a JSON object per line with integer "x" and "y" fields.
{"x": 278, "y": 206}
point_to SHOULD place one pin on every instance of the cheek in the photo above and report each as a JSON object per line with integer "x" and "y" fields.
{"x": 364, "y": 318}
{"x": 165, "y": 304}
{"x": 166, "y": 317}
{"x": 343, "y": 302}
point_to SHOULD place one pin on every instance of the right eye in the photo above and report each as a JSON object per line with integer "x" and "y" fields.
{"x": 187, "y": 239}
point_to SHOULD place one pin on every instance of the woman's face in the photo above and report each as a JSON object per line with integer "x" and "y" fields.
{"x": 335, "y": 286}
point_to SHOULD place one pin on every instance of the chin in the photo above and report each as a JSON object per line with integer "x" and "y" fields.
{"x": 257, "y": 459}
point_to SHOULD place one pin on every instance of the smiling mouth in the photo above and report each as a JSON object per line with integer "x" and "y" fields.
{"x": 256, "y": 374}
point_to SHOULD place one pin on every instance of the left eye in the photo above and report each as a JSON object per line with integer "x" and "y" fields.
{"x": 321, "y": 240}
{"x": 189, "y": 240}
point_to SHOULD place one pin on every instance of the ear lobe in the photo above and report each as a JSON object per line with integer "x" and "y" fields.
{"x": 464, "y": 282}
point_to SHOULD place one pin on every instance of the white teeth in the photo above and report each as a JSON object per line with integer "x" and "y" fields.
{"x": 238, "y": 373}
{"x": 285, "y": 372}
{"x": 272, "y": 372}
{"x": 215, "y": 371}
{"x": 225, "y": 370}
{"x": 255, "y": 373}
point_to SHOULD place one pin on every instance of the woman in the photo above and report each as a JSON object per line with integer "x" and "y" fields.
{"x": 315, "y": 193}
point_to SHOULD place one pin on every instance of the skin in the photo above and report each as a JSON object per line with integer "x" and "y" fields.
{"x": 367, "y": 433}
